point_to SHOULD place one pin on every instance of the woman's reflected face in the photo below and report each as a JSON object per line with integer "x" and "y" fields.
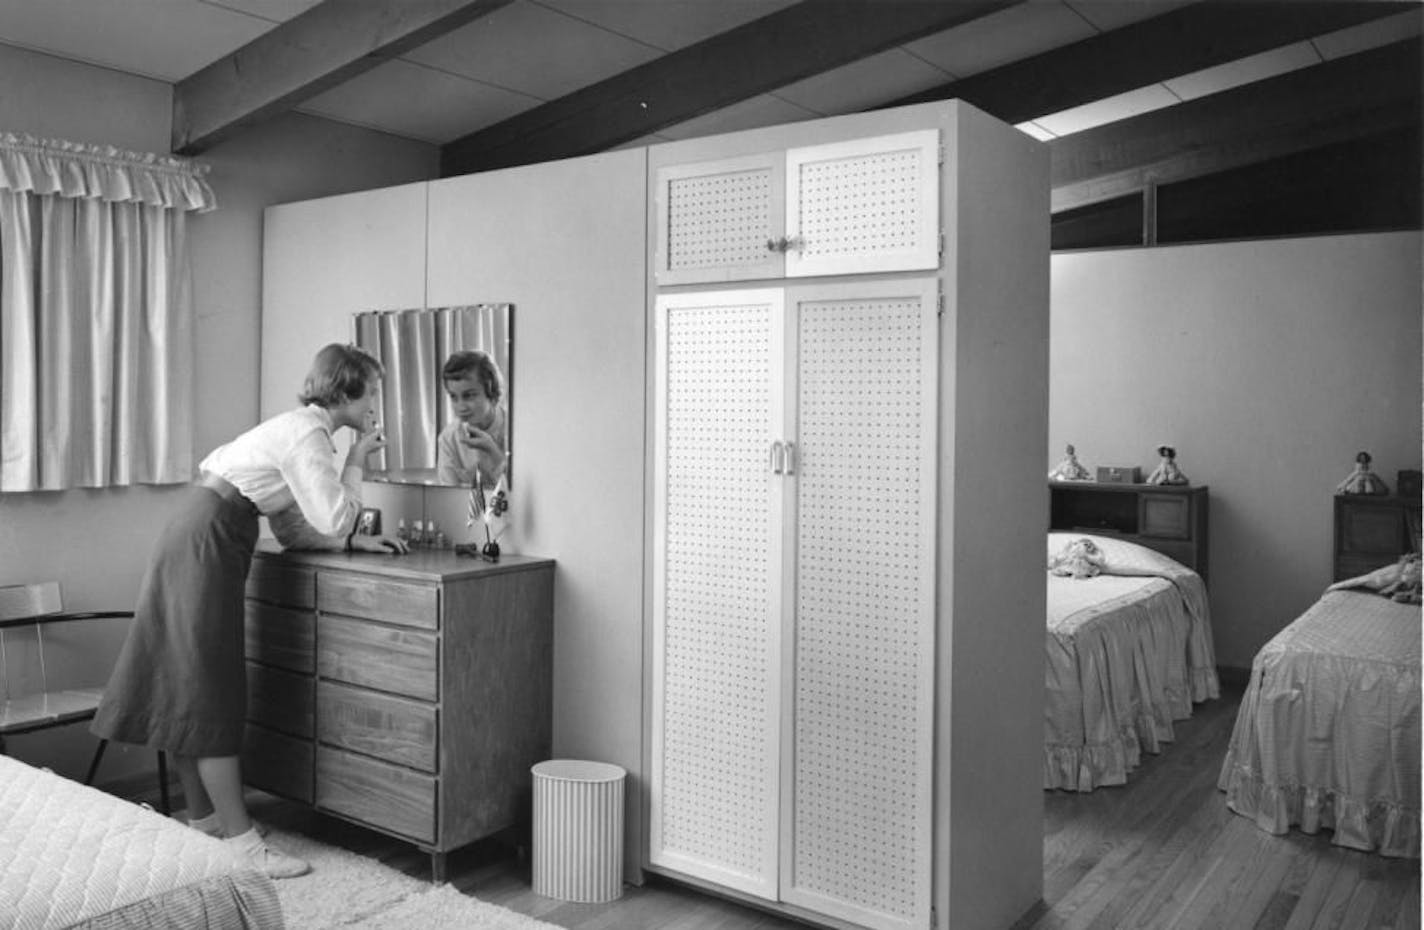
{"x": 470, "y": 402}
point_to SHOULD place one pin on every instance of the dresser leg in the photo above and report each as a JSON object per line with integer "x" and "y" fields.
{"x": 437, "y": 868}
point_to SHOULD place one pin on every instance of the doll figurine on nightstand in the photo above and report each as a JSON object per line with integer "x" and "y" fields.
{"x": 1070, "y": 469}
{"x": 1167, "y": 471}
{"x": 1362, "y": 480}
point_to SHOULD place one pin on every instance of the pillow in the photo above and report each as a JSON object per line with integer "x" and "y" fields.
{"x": 1120, "y": 556}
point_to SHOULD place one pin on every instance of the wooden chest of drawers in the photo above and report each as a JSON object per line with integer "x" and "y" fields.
{"x": 1370, "y": 532}
{"x": 410, "y": 694}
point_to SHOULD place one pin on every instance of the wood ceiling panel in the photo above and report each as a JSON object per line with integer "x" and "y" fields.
{"x": 784, "y": 47}
{"x": 1002, "y": 37}
{"x": 533, "y": 50}
{"x": 1365, "y": 94}
{"x": 667, "y": 24}
{"x": 310, "y": 53}
{"x": 1189, "y": 39}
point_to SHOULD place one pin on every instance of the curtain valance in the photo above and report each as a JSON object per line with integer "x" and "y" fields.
{"x": 72, "y": 169}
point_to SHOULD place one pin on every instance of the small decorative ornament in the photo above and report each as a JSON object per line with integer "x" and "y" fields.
{"x": 1167, "y": 471}
{"x": 1069, "y": 469}
{"x": 488, "y": 510}
{"x": 1362, "y": 480}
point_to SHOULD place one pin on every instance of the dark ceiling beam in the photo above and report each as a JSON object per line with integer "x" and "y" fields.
{"x": 330, "y": 43}
{"x": 1198, "y": 36}
{"x": 1349, "y": 98}
{"x": 793, "y": 43}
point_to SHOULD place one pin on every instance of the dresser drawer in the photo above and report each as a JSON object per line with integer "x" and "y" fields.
{"x": 401, "y": 661}
{"x": 377, "y": 793}
{"x": 395, "y": 729}
{"x": 280, "y": 636}
{"x": 281, "y": 584}
{"x": 277, "y": 763}
{"x": 281, "y": 700}
{"x": 379, "y": 599}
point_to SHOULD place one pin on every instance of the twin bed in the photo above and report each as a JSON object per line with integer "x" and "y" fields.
{"x": 1328, "y": 731}
{"x": 1127, "y": 653}
{"x": 73, "y": 856}
{"x": 1327, "y": 736}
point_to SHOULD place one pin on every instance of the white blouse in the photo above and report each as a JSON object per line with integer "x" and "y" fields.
{"x": 287, "y": 467}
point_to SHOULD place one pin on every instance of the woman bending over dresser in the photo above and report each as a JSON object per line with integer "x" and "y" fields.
{"x": 180, "y": 683}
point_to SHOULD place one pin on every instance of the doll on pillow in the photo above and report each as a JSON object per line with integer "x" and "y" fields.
{"x": 1399, "y": 581}
{"x": 1081, "y": 558}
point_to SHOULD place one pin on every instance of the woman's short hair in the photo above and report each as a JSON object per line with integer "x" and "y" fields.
{"x": 481, "y": 365}
{"x": 339, "y": 373}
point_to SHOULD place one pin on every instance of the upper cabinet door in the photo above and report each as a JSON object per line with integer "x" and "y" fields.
{"x": 863, "y": 206}
{"x": 721, "y": 220}
{"x": 856, "y": 207}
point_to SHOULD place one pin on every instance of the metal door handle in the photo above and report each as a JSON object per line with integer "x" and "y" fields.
{"x": 777, "y": 457}
{"x": 790, "y": 458}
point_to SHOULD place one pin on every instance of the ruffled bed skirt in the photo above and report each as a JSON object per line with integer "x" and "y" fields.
{"x": 1382, "y": 826}
{"x": 1119, "y": 674}
{"x": 1327, "y": 736}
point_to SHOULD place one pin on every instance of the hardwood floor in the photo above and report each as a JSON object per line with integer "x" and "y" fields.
{"x": 1160, "y": 853}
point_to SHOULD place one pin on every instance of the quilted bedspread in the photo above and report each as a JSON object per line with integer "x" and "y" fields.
{"x": 1327, "y": 736}
{"x": 1126, "y": 655}
{"x": 73, "y": 856}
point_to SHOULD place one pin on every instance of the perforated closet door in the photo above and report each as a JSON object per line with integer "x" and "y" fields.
{"x": 714, "y": 220}
{"x": 858, "y": 775}
{"x": 864, "y": 205}
{"x": 717, "y": 588}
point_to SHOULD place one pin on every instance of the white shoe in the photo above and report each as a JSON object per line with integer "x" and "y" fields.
{"x": 265, "y": 859}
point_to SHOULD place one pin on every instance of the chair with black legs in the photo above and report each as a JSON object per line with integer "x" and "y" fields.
{"x": 30, "y": 705}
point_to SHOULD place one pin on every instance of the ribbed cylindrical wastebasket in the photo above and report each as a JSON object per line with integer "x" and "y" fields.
{"x": 578, "y": 830}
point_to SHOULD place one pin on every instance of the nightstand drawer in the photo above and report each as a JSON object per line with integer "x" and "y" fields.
{"x": 280, "y": 636}
{"x": 377, "y": 793}
{"x": 276, "y": 763}
{"x": 385, "y": 658}
{"x": 379, "y": 599}
{"x": 1165, "y": 516}
{"x": 1367, "y": 528}
{"x": 281, "y": 700}
{"x": 395, "y": 729}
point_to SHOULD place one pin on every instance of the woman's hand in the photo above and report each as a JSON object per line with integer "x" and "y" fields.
{"x": 491, "y": 455}
{"x": 387, "y": 544}
{"x": 372, "y": 440}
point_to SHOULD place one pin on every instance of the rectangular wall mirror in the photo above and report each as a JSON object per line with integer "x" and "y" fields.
{"x": 414, "y": 346}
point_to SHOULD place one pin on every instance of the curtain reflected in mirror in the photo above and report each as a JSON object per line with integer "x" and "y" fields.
{"x": 414, "y": 345}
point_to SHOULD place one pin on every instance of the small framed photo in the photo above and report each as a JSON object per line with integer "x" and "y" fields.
{"x": 369, "y": 522}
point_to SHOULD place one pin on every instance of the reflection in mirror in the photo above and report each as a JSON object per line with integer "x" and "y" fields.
{"x": 415, "y": 345}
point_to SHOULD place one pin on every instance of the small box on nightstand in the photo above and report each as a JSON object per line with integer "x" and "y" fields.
{"x": 1109, "y": 474}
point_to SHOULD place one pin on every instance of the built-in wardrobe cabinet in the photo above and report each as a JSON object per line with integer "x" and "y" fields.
{"x": 836, "y": 328}
{"x": 853, "y": 206}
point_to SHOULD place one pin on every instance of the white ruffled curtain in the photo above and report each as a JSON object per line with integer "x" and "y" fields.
{"x": 96, "y": 379}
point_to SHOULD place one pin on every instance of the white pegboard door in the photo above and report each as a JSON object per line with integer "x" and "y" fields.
{"x": 717, "y": 588}
{"x": 857, "y": 769}
{"x": 864, "y": 205}
{"x": 715, "y": 220}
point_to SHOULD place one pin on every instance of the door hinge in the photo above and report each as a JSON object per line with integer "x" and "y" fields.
{"x": 939, "y": 305}
{"x": 934, "y": 917}
{"x": 941, "y": 153}
{"x": 941, "y": 243}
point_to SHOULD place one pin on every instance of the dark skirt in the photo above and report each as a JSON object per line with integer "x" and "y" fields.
{"x": 180, "y": 683}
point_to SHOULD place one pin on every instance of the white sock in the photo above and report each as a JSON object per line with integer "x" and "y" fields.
{"x": 211, "y": 824}
{"x": 250, "y": 841}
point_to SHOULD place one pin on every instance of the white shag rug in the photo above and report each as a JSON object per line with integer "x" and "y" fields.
{"x": 351, "y": 891}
